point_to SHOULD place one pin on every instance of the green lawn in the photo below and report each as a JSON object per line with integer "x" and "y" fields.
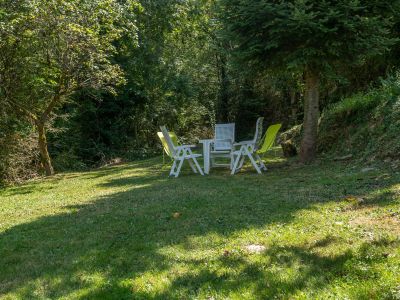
{"x": 330, "y": 231}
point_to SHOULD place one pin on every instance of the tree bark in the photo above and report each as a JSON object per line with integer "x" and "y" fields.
{"x": 293, "y": 117}
{"x": 308, "y": 147}
{"x": 222, "y": 109}
{"x": 44, "y": 153}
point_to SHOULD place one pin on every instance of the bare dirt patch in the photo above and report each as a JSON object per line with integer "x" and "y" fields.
{"x": 389, "y": 222}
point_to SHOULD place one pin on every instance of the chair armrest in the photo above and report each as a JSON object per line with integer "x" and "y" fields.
{"x": 185, "y": 147}
{"x": 244, "y": 143}
{"x": 222, "y": 140}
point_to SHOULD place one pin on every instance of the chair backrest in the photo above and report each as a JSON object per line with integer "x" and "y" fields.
{"x": 224, "y": 132}
{"x": 258, "y": 133}
{"x": 269, "y": 138}
{"x": 174, "y": 140}
{"x": 169, "y": 143}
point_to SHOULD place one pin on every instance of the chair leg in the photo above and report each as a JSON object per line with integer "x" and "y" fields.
{"x": 172, "y": 172}
{"x": 178, "y": 169}
{"x": 241, "y": 161}
{"x": 243, "y": 150}
{"x": 235, "y": 165}
{"x": 192, "y": 166}
{"x": 198, "y": 166}
{"x": 253, "y": 162}
{"x": 196, "y": 163}
{"x": 232, "y": 161}
{"x": 262, "y": 165}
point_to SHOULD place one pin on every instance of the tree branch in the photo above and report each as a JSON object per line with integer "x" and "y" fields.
{"x": 22, "y": 110}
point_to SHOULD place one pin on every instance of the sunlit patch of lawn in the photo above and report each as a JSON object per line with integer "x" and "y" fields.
{"x": 130, "y": 232}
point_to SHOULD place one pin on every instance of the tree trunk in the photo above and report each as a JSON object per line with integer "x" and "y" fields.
{"x": 308, "y": 147}
{"x": 44, "y": 153}
{"x": 223, "y": 97}
{"x": 293, "y": 117}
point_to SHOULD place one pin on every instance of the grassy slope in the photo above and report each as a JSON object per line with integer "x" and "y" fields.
{"x": 110, "y": 234}
{"x": 365, "y": 124}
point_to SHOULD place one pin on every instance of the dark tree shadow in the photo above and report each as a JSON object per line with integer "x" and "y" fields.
{"x": 316, "y": 272}
{"x": 118, "y": 237}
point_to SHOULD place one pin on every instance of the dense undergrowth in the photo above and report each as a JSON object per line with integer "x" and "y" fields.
{"x": 365, "y": 125}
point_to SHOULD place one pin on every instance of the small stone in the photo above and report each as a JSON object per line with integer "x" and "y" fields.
{"x": 255, "y": 248}
{"x": 360, "y": 200}
{"x": 368, "y": 169}
{"x": 176, "y": 215}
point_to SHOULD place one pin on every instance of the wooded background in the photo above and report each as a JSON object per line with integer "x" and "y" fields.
{"x": 85, "y": 81}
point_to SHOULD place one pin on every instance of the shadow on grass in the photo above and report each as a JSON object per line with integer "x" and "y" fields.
{"x": 309, "y": 270}
{"x": 97, "y": 250}
{"x": 45, "y": 183}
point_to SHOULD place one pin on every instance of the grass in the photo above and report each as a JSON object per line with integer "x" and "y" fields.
{"x": 130, "y": 232}
{"x": 364, "y": 125}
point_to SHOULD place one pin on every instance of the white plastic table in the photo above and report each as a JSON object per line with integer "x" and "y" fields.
{"x": 206, "y": 154}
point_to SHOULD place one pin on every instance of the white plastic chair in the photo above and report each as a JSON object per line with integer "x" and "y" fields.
{"x": 255, "y": 142}
{"x": 224, "y": 138}
{"x": 179, "y": 154}
{"x": 248, "y": 148}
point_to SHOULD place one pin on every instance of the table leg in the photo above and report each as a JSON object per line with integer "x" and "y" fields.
{"x": 206, "y": 157}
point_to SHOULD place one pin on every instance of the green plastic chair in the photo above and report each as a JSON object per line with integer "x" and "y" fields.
{"x": 254, "y": 148}
{"x": 174, "y": 140}
{"x": 179, "y": 153}
{"x": 268, "y": 142}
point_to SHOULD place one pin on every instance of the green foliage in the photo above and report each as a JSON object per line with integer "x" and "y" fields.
{"x": 318, "y": 35}
{"x": 49, "y": 49}
{"x": 365, "y": 124}
{"x": 169, "y": 80}
{"x": 352, "y": 109}
{"x": 186, "y": 64}
{"x": 318, "y": 39}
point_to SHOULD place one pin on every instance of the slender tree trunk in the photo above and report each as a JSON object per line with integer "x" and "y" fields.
{"x": 44, "y": 153}
{"x": 308, "y": 146}
{"x": 223, "y": 98}
{"x": 293, "y": 117}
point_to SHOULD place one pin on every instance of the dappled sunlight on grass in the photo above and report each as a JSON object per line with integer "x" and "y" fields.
{"x": 130, "y": 231}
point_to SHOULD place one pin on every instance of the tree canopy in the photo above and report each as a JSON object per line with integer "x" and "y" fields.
{"x": 49, "y": 50}
{"x": 317, "y": 38}
{"x": 93, "y": 80}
